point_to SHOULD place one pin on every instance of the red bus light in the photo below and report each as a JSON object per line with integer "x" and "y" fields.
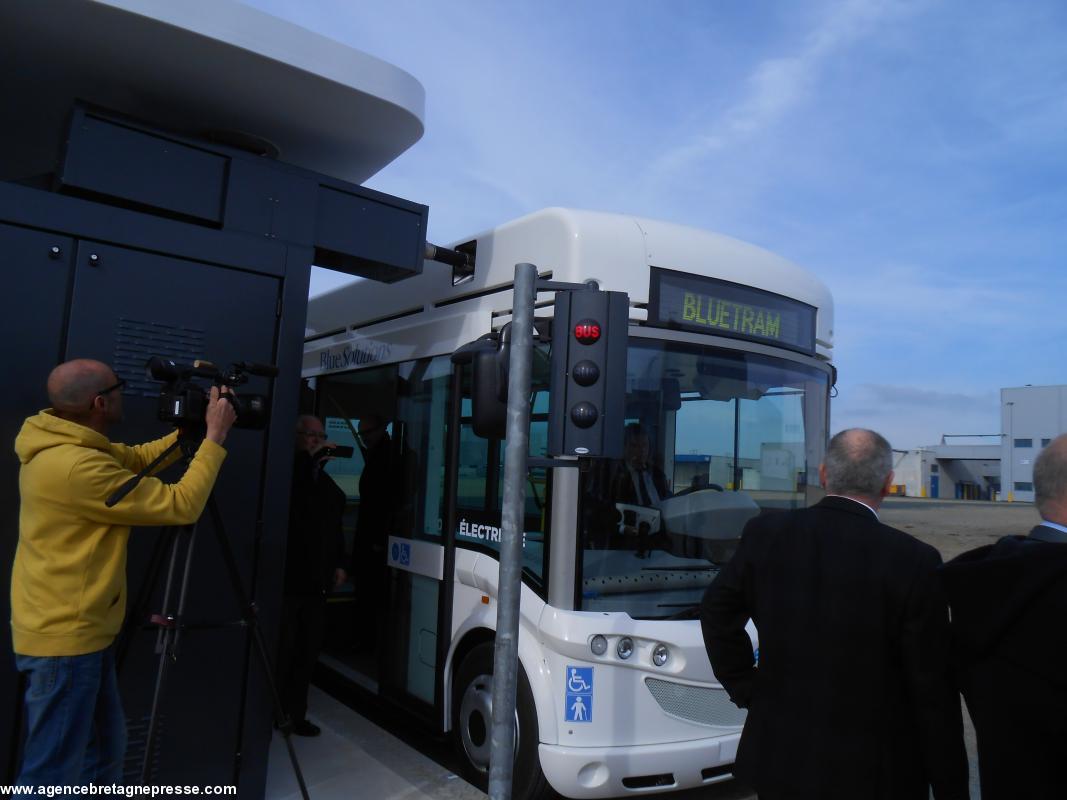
{"x": 587, "y": 331}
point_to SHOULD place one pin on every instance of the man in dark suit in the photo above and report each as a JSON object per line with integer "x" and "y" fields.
{"x": 1009, "y": 629}
{"x": 637, "y": 481}
{"x": 312, "y": 569}
{"x": 632, "y": 483}
{"x": 851, "y": 696}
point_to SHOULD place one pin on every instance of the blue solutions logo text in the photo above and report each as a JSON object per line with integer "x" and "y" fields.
{"x": 354, "y": 355}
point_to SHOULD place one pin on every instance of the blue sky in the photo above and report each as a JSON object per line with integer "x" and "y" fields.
{"x": 912, "y": 154}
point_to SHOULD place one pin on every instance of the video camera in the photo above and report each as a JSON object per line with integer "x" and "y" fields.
{"x": 336, "y": 451}
{"x": 183, "y": 403}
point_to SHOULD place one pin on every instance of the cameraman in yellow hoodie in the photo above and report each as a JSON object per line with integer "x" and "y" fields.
{"x": 68, "y": 584}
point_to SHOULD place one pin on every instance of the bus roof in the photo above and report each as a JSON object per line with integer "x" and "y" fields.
{"x": 573, "y": 246}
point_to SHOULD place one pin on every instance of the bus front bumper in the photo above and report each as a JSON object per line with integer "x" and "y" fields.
{"x": 590, "y": 772}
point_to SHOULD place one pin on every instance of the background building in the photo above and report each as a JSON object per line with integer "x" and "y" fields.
{"x": 949, "y": 471}
{"x": 1030, "y": 417}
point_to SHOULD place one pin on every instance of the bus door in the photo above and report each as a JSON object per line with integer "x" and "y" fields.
{"x": 383, "y": 626}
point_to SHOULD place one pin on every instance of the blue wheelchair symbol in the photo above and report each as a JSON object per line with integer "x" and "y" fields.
{"x": 400, "y": 553}
{"x": 578, "y": 697}
{"x": 580, "y": 679}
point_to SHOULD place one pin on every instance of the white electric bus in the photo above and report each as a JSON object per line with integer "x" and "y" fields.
{"x": 727, "y": 383}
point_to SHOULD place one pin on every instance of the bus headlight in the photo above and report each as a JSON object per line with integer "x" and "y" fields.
{"x": 625, "y": 647}
{"x": 660, "y": 655}
{"x": 599, "y": 645}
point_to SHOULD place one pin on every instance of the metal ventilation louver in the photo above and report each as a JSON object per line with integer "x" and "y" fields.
{"x": 136, "y": 341}
{"x": 698, "y": 704}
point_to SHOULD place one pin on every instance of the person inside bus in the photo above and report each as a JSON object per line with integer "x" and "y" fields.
{"x": 1009, "y": 631}
{"x": 312, "y": 569}
{"x": 621, "y": 491}
{"x": 637, "y": 480}
{"x": 68, "y": 584}
{"x": 851, "y": 695}
{"x": 380, "y": 496}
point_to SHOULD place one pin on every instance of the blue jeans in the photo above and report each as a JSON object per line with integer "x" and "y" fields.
{"x": 77, "y": 730}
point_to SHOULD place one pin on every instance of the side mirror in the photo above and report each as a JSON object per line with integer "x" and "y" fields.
{"x": 488, "y": 384}
{"x": 489, "y": 391}
{"x": 488, "y": 357}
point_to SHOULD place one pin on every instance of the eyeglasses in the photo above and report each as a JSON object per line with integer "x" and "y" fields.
{"x": 103, "y": 392}
{"x": 313, "y": 434}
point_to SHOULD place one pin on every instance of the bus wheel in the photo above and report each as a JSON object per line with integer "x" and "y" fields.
{"x": 472, "y": 711}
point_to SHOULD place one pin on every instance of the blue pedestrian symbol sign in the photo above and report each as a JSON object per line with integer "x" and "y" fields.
{"x": 579, "y": 695}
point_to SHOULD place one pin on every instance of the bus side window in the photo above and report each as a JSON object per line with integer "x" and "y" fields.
{"x": 420, "y": 446}
{"x": 480, "y": 489}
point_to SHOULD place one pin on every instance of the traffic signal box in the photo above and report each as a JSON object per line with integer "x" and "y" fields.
{"x": 588, "y": 388}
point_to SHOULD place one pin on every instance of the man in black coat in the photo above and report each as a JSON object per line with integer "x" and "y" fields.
{"x": 851, "y": 696}
{"x": 637, "y": 481}
{"x": 312, "y": 558}
{"x": 633, "y": 480}
{"x": 1009, "y": 628}
{"x": 381, "y": 498}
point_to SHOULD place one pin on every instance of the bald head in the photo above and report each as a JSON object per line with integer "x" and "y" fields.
{"x": 306, "y": 421}
{"x": 1050, "y": 481}
{"x": 73, "y": 385}
{"x": 858, "y": 462}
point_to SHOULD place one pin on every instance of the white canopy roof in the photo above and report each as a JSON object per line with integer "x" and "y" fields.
{"x": 197, "y": 67}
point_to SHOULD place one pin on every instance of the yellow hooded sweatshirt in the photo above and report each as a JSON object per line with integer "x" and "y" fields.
{"x": 68, "y": 585}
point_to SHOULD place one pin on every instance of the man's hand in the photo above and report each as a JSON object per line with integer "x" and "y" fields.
{"x": 220, "y": 415}
{"x": 339, "y": 577}
{"x": 318, "y": 455}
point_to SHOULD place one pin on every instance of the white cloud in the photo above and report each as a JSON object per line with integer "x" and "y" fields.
{"x": 913, "y": 294}
{"x": 777, "y": 86}
{"x": 912, "y": 416}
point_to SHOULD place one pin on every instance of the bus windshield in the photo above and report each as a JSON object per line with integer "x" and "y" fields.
{"x": 713, "y": 438}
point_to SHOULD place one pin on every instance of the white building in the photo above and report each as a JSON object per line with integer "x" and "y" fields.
{"x": 1031, "y": 417}
{"x": 948, "y": 471}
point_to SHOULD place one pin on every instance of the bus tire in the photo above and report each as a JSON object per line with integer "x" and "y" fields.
{"x": 471, "y": 713}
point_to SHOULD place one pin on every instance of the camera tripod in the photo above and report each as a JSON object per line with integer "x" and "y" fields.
{"x": 169, "y": 621}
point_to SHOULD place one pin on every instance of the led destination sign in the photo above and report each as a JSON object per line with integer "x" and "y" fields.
{"x": 707, "y": 305}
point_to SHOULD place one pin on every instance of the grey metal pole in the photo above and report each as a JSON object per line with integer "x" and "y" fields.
{"x": 505, "y": 657}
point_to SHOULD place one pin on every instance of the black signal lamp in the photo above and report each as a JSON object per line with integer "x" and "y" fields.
{"x": 588, "y": 385}
{"x": 585, "y": 373}
{"x": 584, "y": 414}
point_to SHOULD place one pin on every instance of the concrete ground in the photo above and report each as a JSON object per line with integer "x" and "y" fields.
{"x": 354, "y": 758}
{"x": 954, "y": 526}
